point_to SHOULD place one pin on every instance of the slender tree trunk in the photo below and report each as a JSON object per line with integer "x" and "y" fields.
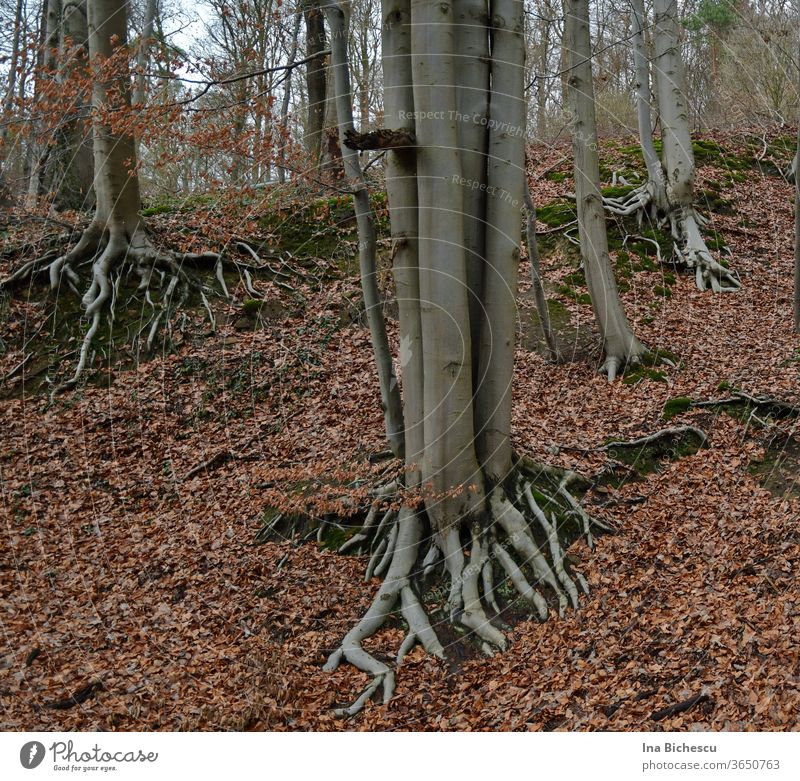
{"x": 283, "y": 138}
{"x": 7, "y": 160}
{"x": 655, "y": 173}
{"x": 390, "y": 390}
{"x": 620, "y": 345}
{"x": 316, "y": 80}
{"x": 536, "y": 277}
{"x": 797, "y": 232}
{"x": 8, "y": 102}
{"x": 143, "y": 54}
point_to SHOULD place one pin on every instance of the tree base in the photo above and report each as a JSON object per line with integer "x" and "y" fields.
{"x": 471, "y": 572}
{"x": 115, "y": 255}
{"x": 689, "y": 248}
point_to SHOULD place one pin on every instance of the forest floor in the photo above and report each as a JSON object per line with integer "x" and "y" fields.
{"x": 136, "y": 592}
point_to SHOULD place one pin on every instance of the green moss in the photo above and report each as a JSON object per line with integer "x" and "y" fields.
{"x": 675, "y": 406}
{"x": 648, "y": 458}
{"x": 713, "y": 201}
{"x": 252, "y": 306}
{"x": 163, "y": 208}
{"x": 558, "y": 213}
{"x": 664, "y": 292}
{"x": 617, "y": 191}
{"x": 557, "y": 176}
{"x": 643, "y": 373}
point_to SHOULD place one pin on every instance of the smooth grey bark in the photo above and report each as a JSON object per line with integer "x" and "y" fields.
{"x": 472, "y": 514}
{"x": 283, "y": 139}
{"x": 472, "y": 48}
{"x": 668, "y": 194}
{"x": 641, "y": 62}
{"x": 620, "y": 345}
{"x": 143, "y": 54}
{"x": 367, "y": 245}
{"x": 678, "y": 158}
{"x": 401, "y": 188}
{"x": 651, "y": 197}
{"x": 450, "y": 467}
{"x": 505, "y": 180}
{"x": 316, "y": 81}
{"x": 539, "y": 296}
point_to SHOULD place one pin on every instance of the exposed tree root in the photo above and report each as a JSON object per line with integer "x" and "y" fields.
{"x": 114, "y": 255}
{"x": 620, "y": 356}
{"x": 466, "y": 575}
{"x": 689, "y": 247}
{"x": 674, "y": 431}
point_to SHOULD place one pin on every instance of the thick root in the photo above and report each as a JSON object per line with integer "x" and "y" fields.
{"x": 113, "y": 255}
{"x": 513, "y": 555}
{"x": 694, "y": 254}
{"x": 690, "y": 249}
{"x": 641, "y": 201}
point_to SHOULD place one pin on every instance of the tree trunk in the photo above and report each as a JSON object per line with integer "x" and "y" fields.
{"x": 620, "y": 346}
{"x": 466, "y": 511}
{"x": 283, "y": 138}
{"x": 143, "y": 54}
{"x": 536, "y": 277}
{"x": 117, "y": 236}
{"x": 316, "y": 80}
{"x": 797, "y": 232}
{"x": 678, "y": 158}
{"x": 668, "y": 194}
{"x": 390, "y": 391}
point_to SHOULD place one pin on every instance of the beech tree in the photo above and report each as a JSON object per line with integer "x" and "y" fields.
{"x": 620, "y": 346}
{"x": 668, "y": 195}
{"x": 63, "y": 162}
{"x": 468, "y": 509}
{"x": 117, "y": 238}
{"x": 796, "y": 176}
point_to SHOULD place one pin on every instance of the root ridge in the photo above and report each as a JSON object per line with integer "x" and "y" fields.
{"x": 515, "y": 553}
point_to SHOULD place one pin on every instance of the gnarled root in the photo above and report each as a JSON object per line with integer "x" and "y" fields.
{"x": 514, "y": 552}
{"x": 640, "y": 201}
{"x": 115, "y": 254}
{"x": 691, "y": 251}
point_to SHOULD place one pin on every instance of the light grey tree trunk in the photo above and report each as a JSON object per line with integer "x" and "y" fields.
{"x": 467, "y": 510}
{"x": 536, "y": 277}
{"x": 450, "y": 467}
{"x": 678, "y": 158}
{"x": 367, "y": 245}
{"x": 505, "y": 180}
{"x": 620, "y": 346}
{"x": 283, "y": 138}
{"x": 143, "y": 54}
{"x": 472, "y": 101}
{"x": 668, "y": 194}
